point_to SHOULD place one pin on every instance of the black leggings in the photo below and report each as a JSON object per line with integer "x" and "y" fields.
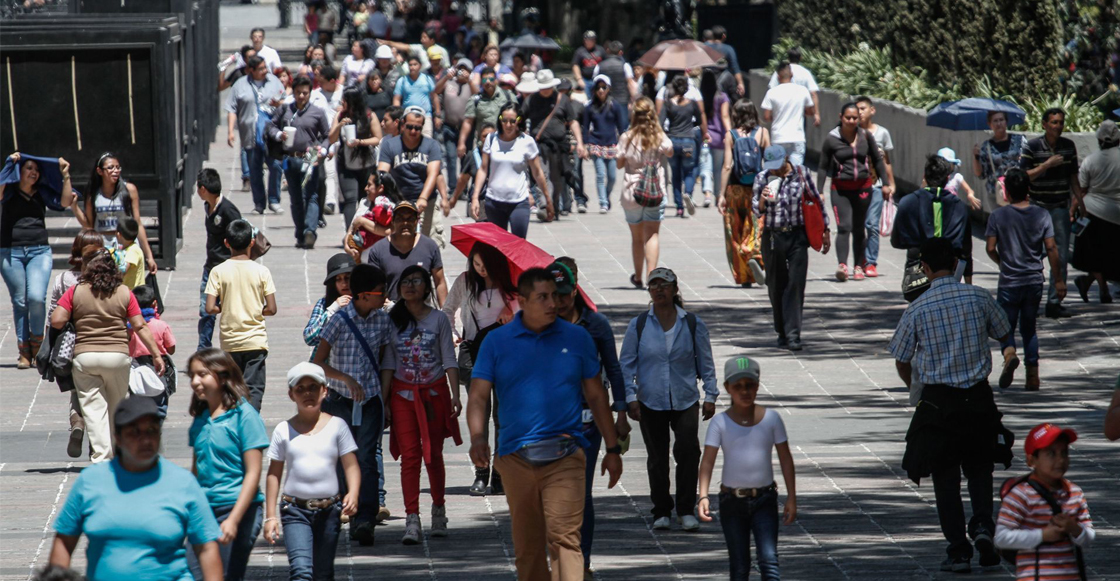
{"x": 509, "y": 216}
{"x": 351, "y": 186}
{"x": 850, "y": 207}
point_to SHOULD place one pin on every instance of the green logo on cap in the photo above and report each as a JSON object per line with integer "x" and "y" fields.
{"x": 743, "y": 363}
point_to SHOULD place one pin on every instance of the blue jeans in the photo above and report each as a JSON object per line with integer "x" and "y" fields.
{"x": 874, "y": 213}
{"x": 205, "y": 321}
{"x": 258, "y": 159}
{"x": 683, "y": 165}
{"x": 368, "y": 438}
{"x": 304, "y": 200}
{"x": 235, "y": 555}
{"x": 606, "y": 172}
{"x": 740, "y": 517}
{"x": 587, "y": 531}
{"x": 1021, "y": 305}
{"x": 795, "y": 150}
{"x": 244, "y": 164}
{"x": 311, "y": 539}
{"x": 1059, "y": 215}
{"x": 509, "y": 216}
{"x": 450, "y": 139}
{"x": 27, "y": 272}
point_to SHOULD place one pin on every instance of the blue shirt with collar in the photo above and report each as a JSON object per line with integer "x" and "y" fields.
{"x": 664, "y": 379}
{"x": 600, "y": 329}
{"x": 538, "y": 378}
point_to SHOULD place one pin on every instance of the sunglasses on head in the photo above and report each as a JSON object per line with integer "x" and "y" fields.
{"x": 411, "y": 127}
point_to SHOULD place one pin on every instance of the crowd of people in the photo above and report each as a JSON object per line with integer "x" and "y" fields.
{"x": 423, "y": 113}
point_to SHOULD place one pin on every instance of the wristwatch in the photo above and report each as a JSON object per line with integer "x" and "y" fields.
{"x": 615, "y": 449}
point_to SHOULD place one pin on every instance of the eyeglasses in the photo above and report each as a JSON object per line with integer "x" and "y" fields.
{"x": 400, "y": 217}
{"x": 372, "y": 293}
{"x": 135, "y": 433}
{"x": 659, "y": 285}
{"x": 412, "y": 282}
{"x": 509, "y": 121}
{"x": 411, "y": 127}
{"x": 111, "y": 168}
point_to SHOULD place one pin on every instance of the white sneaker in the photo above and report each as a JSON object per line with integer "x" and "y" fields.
{"x": 439, "y": 521}
{"x": 689, "y": 205}
{"x": 661, "y": 524}
{"x": 603, "y": 209}
{"x": 411, "y": 530}
{"x": 276, "y": 208}
{"x": 689, "y": 523}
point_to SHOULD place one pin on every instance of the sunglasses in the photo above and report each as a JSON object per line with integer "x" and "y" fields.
{"x": 509, "y": 121}
{"x": 488, "y": 79}
{"x": 411, "y": 127}
{"x": 602, "y": 88}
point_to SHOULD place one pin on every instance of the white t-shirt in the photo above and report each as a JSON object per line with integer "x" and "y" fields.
{"x": 883, "y": 138}
{"x": 270, "y": 56}
{"x": 509, "y": 160}
{"x": 747, "y": 450}
{"x": 311, "y": 458}
{"x": 1100, "y": 179}
{"x": 787, "y": 102}
{"x": 801, "y": 76}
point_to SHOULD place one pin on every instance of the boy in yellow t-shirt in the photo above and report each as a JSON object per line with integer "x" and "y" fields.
{"x": 131, "y": 257}
{"x": 242, "y": 291}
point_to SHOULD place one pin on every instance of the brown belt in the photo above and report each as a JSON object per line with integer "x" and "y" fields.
{"x": 748, "y": 492}
{"x": 311, "y": 503}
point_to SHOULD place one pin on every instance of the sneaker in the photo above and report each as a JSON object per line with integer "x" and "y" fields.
{"x": 542, "y": 214}
{"x": 795, "y": 345}
{"x": 276, "y": 209}
{"x": 383, "y": 515}
{"x": 756, "y": 271}
{"x": 581, "y": 208}
{"x": 363, "y": 533}
{"x": 689, "y": 205}
{"x": 309, "y": 238}
{"x": 680, "y": 212}
{"x": 707, "y": 199}
{"x": 603, "y": 209}
{"x": 328, "y": 209}
{"x": 77, "y": 433}
{"x": 957, "y": 565}
{"x": 439, "y": 521}
{"x": 858, "y": 275}
{"x": 245, "y": 187}
{"x": 871, "y": 271}
{"x": 1057, "y": 311}
{"x": 1007, "y": 376}
{"x": 689, "y": 523}
{"x": 411, "y": 530}
{"x": 842, "y": 272}
{"x": 661, "y": 523}
{"x": 989, "y": 557}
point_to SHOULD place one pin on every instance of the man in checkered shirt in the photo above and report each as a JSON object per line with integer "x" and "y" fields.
{"x": 943, "y": 338}
{"x": 355, "y": 387}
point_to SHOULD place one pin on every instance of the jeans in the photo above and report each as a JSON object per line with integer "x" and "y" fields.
{"x": 449, "y": 136}
{"x": 304, "y": 200}
{"x": 1021, "y": 305}
{"x": 235, "y": 555}
{"x": 252, "y": 364}
{"x": 27, "y": 272}
{"x": 258, "y": 159}
{"x": 587, "y": 532}
{"x": 311, "y": 539}
{"x": 206, "y": 321}
{"x": 740, "y": 517}
{"x": 577, "y": 179}
{"x": 1059, "y": 215}
{"x": 656, "y": 426}
{"x": 368, "y": 437}
{"x": 606, "y": 172}
{"x": 244, "y": 164}
{"x": 509, "y": 216}
{"x": 795, "y": 150}
{"x": 683, "y": 165}
{"x": 874, "y": 214}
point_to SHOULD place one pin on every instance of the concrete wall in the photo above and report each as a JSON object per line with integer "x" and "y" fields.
{"x": 913, "y": 140}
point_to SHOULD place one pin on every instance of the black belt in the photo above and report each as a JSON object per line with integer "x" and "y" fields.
{"x": 311, "y": 503}
{"x": 782, "y": 228}
{"x": 748, "y": 492}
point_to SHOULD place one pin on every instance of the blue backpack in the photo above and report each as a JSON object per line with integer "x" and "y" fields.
{"x": 748, "y": 158}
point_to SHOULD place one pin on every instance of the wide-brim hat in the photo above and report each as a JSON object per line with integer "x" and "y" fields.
{"x": 528, "y": 84}
{"x": 546, "y": 80}
{"x": 340, "y": 263}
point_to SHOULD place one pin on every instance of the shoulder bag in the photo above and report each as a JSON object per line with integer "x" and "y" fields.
{"x": 811, "y": 214}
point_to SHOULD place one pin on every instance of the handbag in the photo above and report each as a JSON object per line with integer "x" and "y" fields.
{"x": 62, "y": 354}
{"x": 811, "y": 213}
{"x": 914, "y": 280}
{"x": 261, "y": 246}
{"x": 886, "y": 219}
{"x": 143, "y": 380}
{"x": 153, "y": 283}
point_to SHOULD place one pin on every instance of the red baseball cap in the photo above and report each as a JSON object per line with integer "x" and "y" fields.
{"x": 1043, "y": 435}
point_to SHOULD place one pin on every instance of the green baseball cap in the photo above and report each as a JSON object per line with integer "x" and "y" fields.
{"x": 741, "y": 367}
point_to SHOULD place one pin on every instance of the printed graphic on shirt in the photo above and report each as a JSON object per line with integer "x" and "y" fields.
{"x": 406, "y": 157}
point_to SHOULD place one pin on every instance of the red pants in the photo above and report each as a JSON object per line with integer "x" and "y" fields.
{"x": 405, "y": 430}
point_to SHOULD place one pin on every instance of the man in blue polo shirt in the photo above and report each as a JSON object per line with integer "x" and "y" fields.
{"x": 539, "y": 367}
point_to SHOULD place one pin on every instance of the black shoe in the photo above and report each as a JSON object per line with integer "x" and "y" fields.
{"x": 309, "y": 238}
{"x": 1057, "y": 311}
{"x": 1008, "y": 375}
{"x": 1083, "y": 283}
{"x": 363, "y": 533}
{"x": 783, "y": 343}
{"x": 481, "y": 479}
{"x": 496, "y": 488}
{"x": 795, "y": 345}
{"x": 987, "y": 549}
{"x": 956, "y": 565}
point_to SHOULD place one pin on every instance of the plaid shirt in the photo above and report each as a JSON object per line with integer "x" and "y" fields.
{"x": 347, "y": 354}
{"x": 946, "y": 330}
{"x": 786, "y": 211}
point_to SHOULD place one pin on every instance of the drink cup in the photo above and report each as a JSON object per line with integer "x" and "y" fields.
{"x": 349, "y": 133}
{"x": 773, "y": 186}
{"x": 289, "y": 136}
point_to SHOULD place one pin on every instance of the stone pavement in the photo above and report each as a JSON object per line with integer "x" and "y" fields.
{"x": 844, "y": 408}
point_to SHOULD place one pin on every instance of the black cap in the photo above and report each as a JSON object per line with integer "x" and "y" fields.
{"x": 340, "y": 263}
{"x": 565, "y": 85}
{"x": 565, "y": 282}
{"x": 133, "y": 408}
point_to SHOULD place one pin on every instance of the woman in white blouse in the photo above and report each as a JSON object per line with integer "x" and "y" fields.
{"x": 356, "y": 65}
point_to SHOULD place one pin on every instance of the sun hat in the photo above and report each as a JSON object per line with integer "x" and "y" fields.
{"x": 528, "y": 83}
{"x": 340, "y": 263}
{"x": 546, "y": 80}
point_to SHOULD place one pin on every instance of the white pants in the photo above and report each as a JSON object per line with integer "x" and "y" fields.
{"x": 331, "y": 175}
{"x": 101, "y": 380}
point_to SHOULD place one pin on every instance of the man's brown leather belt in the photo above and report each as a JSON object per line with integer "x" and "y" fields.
{"x": 748, "y": 492}
{"x": 311, "y": 503}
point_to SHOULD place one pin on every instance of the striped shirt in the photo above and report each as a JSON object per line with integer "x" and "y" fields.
{"x": 1053, "y": 185}
{"x": 946, "y": 332}
{"x": 1025, "y": 511}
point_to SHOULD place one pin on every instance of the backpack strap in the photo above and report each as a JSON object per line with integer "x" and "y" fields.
{"x": 1056, "y": 509}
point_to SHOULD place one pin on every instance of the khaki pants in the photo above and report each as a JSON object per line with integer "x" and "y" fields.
{"x": 431, "y": 223}
{"x": 546, "y": 510}
{"x": 101, "y": 380}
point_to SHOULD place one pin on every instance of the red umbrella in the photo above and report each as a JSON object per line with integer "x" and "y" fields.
{"x": 520, "y": 253}
{"x": 680, "y": 55}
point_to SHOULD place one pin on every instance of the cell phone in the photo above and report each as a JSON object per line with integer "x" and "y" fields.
{"x": 1079, "y": 225}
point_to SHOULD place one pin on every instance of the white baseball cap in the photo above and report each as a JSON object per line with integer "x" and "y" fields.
{"x": 383, "y": 52}
{"x": 306, "y": 369}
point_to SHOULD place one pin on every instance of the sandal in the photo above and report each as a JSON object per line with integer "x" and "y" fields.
{"x": 634, "y": 280}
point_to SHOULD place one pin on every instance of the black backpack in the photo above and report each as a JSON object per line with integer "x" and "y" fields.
{"x": 1010, "y": 555}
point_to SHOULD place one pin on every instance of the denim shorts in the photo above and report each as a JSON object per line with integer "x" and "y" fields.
{"x": 644, "y": 214}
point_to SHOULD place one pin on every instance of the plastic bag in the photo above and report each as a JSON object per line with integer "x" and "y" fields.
{"x": 886, "y": 218}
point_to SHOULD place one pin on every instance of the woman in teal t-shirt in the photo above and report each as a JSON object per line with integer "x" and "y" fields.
{"x": 138, "y": 509}
{"x": 228, "y": 439}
